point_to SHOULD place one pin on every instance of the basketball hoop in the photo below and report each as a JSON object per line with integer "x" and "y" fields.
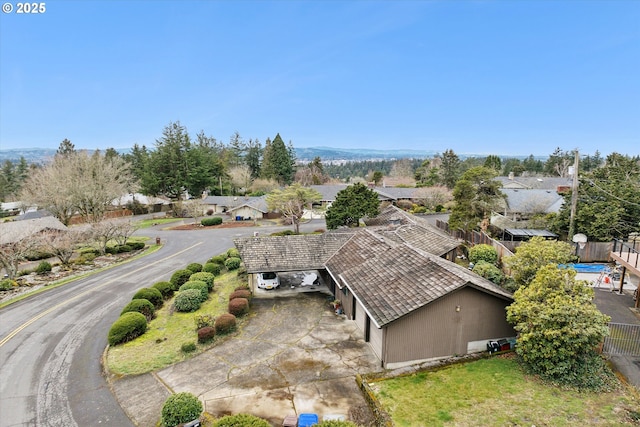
{"x": 580, "y": 239}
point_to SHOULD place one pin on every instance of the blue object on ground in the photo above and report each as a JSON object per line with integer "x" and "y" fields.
{"x": 307, "y": 420}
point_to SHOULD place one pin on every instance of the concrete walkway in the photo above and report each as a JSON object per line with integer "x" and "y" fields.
{"x": 618, "y": 306}
{"x": 293, "y": 356}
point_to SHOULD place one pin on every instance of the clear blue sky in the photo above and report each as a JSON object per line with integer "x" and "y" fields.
{"x": 494, "y": 77}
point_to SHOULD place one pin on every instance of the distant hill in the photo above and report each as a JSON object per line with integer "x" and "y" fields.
{"x": 326, "y": 154}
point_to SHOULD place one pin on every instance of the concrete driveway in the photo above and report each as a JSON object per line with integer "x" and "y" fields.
{"x": 293, "y": 356}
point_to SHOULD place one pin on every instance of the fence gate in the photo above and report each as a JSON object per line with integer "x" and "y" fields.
{"x": 623, "y": 340}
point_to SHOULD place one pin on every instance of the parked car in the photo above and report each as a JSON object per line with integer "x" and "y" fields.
{"x": 268, "y": 280}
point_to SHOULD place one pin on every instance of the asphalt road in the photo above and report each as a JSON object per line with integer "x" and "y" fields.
{"x": 51, "y": 344}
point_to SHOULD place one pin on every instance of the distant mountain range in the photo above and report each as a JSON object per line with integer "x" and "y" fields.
{"x": 40, "y": 155}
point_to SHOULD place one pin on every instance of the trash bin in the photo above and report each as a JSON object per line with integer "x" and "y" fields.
{"x": 307, "y": 420}
{"x": 238, "y": 218}
{"x": 157, "y": 240}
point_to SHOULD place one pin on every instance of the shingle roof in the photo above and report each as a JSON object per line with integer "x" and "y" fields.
{"x": 537, "y": 182}
{"x": 533, "y": 200}
{"x": 395, "y": 224}
{"x": 394, "y": 282}
{"x": 14, "y": 231}
{"x": 289, "y": 253}
{"x": 257, "y": 203}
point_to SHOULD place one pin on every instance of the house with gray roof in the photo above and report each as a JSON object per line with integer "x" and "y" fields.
{"x": 391, "y": 279}
{"x": 14, "y": 231}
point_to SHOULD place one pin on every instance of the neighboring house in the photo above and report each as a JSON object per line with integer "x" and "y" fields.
{"x": 535, "y": 182}
{"x": 154, "y": 204}
{"x": 522, "y": 204}
{"x": 250, "y": 208}
{"x": 14, "y": 231}
{"x": 40, "y": 213}
{"x": 410, "y": 303}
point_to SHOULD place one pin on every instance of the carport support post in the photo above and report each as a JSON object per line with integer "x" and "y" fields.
{"x": 624, "y": 271}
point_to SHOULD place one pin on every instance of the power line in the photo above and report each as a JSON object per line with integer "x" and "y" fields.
{"x": 611, "y": 194}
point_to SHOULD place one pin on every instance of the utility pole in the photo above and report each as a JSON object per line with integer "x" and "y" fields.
{"x": 574, "y": 195}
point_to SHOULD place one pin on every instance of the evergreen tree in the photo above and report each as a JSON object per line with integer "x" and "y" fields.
{"x": 476, "y": 194}
{"x": 354, "y": 202}
{"x": 450, "y": 168}
{"x": 253, "y": 157}
{"x": 65, "y": 147}
{"x": 277, "y": 163}
{"x": 493, "y": 162}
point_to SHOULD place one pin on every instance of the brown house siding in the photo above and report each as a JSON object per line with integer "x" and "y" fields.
{"x": 438, "y": 330}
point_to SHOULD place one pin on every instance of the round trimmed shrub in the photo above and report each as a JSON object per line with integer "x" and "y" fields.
{"x": 142, "y": 306}
{"x": 239, "y": 306}
{"x": 188, "y": 300}
{"x": 240, "y": 293}
{"x": 483, "y": 252}
{"x": 194, "y": 267}
{"x": 165, "y": 288}
{"x": 127, "y": 327}
{"x": 242, "y": 288}
{"x": 213, "y": 268}
{"x": 242, "y": 273}
{"x": 205, "y": 277}
{"x": 188, "y": 347}
{"x": 219, "y": 259}
{"x": 180, "y": 408}
{"x": 232, "y": 263}
{"x": 206, "y": 334}
{"x": 152, "y": 295}
{"x": 179, "y": 278}
{"x": 200, "y": 286}
{"x": 203, "y": 320}
{"x": 241, "y": 420}
{"x": 225, "y": 323}
{"x": 43, "y": 267}
{"x": 233, "y": 253}
{"x": 489, "y": 271}
{"x": 123, "y": 248}
{"x": 215, "y": 220}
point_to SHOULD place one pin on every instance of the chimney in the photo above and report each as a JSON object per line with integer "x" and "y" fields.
{"x": 511, "y": 175}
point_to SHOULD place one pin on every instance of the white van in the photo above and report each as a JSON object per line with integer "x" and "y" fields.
{"x": 268, "y": 280}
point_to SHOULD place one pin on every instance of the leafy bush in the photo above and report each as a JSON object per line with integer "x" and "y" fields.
{"x": 219, "y": 259}
{"x": 188, "y": 300}
{"x": 483, "y": 252}
{"x": 203, "y": 320}
{"x": 188, "y": 347}
{"x": 232, "y": 263}
{"x": 179, "y": 278}
{"x": 180, "y": 408}
{"x": 233, "y": 253}
{"x": 205, "y": 277}
{"x": 124, "y": 248}
{"x": 165, "y": 288}
{"x": 152, "y": 294}
{"x": 43, "y": 267}
{"x": 200, "y": 286}
{"x": 194, "y": 267}
{"x": 127, "y": 327}
{"x": 136, "y": 246}
{"x": 142, "y": 306}
{"x": 489, "y": 271}
{"x": 241, "y": 420}
{"x": 405, "y": 205}
{"x": 419, "y": 209}
{"x": 240, "y": 293}
{"x": 7, "y": 284}
{"x": 242, "y": 288}
{"x": 215, "y": 220}
{"x": 239, "y": 306}
{"x": 225, "y": 323}
{"x": 336, "y": 423}
{"x": 212, "y": 268}
{"x": 206, "y": 334}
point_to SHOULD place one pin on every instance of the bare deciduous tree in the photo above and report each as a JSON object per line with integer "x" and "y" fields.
{"x": 431, "y": 197}
{"x": 194, "y": 208}
{"x": 240, "y": 177}
{"x": 62, "y": 244}
{"x": 79, "y": 182}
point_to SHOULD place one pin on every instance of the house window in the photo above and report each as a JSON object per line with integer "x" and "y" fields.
{"x": 345, "y": 291}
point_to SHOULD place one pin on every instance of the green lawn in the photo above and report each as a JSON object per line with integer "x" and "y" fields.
{"x": 146, "y": 223}
{"x": 496, "y": 392}
{"x": 161, "y": 345}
